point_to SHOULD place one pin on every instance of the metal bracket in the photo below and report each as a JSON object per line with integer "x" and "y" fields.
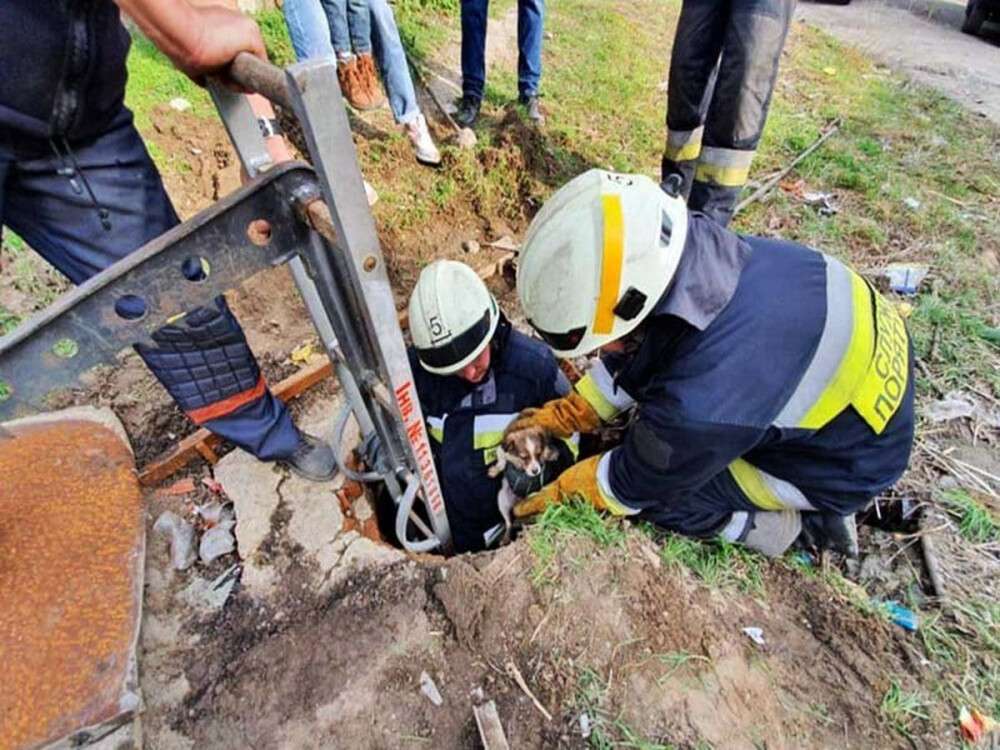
{"x": 249, "y": 230}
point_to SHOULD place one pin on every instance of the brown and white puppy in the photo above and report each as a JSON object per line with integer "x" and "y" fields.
{"x": 527, "y": 450}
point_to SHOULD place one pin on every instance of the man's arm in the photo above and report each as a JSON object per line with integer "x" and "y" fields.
{"x": 199, "y": 40}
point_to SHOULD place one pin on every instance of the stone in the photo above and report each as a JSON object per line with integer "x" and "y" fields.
{"x": 316, "y": 520}
{"x": 252, "y": 486}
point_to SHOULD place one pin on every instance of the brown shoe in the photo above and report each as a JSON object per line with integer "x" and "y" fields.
{"x": 351, "y": 84}
{"x": 368, "y": 76}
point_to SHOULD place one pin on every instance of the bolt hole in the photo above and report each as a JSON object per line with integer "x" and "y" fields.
{"x": 370, "y": 263}
{"x": 259, "y": 232}
{"x": 195, "y": 268}
{"x": 65, "y": 348}
{"x": 5, "y": 390}
{"x": 130, "y": 307}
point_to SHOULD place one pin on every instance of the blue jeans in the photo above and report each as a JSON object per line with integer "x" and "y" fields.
{"x": 350, "y": 26}
{"x": 62, "y": 224}
{"x": 310, "y": 34}
{"x": 530, "y": 17}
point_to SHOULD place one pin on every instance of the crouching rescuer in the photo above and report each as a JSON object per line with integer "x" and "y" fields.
{"x": 771, "y": 387}
{"x": 474, "y": 373}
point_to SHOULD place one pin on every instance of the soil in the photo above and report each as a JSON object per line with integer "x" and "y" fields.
{"x": 922, "y": 38}
{"x": 344, "y": 670}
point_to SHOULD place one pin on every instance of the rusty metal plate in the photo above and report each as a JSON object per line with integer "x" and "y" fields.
{"x": 72, "y": 544}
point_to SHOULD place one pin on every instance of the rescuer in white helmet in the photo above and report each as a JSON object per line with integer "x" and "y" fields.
{"x": 771, "y": 386}
{"x": 473, "y": 374}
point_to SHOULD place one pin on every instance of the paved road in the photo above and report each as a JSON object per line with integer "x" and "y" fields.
{"x": 921, "y": 38}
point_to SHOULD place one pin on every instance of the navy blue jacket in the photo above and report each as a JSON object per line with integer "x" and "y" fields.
{"x": 720, "y": 381}
{"x": 62, "y": 67}
{"x": 466, "y": 422}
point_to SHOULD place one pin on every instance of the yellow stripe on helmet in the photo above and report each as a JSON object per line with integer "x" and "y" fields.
{"x": 611, "y": 263}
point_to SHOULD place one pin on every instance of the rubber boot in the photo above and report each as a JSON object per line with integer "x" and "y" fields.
{"x": 313, "y": 459}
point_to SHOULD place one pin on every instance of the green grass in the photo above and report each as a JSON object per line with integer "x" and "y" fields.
{"x": 557, "y": 524}
{"x": 153, "y": 81}
{"x": 975, "y": 523}
{"x": 607, "y": 731}
{"x": 901, "y": 709}
{"x": 718, "y": 563}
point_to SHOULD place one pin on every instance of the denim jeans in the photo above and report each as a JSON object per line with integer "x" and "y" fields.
{"x": 309, "y": 32}
{"x": 530, "y": 17}
{"x": 61, "y": 223}
{"x": 350, "y": 26}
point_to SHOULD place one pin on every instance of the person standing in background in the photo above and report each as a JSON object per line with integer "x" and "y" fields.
{"x": 309, "y": 29}
{"x": 530, "y": 18}
{"x": 722, "y": 72}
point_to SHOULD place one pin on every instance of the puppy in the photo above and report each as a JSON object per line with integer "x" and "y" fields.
{"x": 526, "y": 451}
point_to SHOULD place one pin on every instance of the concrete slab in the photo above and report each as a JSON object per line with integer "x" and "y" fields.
{"x": 71, "y": 576}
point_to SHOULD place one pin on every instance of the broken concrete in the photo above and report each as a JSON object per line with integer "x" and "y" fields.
{"x": 284, "y": 520}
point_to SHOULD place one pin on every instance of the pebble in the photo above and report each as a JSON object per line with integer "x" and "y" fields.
{"x": 470, "y": 246}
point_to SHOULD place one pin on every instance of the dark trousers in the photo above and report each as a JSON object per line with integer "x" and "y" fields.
{"x": 530, "y": 17}
{"x": 722, "y": 71}
{"x": 54, "y": 213}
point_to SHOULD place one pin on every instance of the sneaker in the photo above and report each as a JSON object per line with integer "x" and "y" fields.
{"x": 369, "y": 80}
{"x": 468, "y": 111}
{"x": 423, "y": 145}
{"x": 370, "y": 194}
{"x": 313, "y": 459}
{"x": 532, "y": 109}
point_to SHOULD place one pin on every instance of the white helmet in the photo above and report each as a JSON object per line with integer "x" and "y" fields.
{"x": 597, "y": 258}
{"x": 452, "y": 316}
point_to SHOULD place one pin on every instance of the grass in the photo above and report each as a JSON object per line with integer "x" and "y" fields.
{"x": 561, "y": 522}
{"x": 975, "y": 523}
{"x": 718, "y": 563}
{"x": 901, "y": 709}
{"x": 607, "y": 731}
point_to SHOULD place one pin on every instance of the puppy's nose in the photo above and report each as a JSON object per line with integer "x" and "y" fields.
{"x": 534, "y": 470}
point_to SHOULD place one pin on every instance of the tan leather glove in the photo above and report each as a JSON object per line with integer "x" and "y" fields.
{"x": 560, "y": 417}
{"x": 578, "y": 481}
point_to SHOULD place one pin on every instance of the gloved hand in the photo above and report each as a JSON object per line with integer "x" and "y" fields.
{"x": 829, "y": 531}
{"x": 560, "y": 417}
{"x": 579, "y": 480}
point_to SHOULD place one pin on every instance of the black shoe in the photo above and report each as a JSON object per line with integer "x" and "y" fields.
{"x": 829, "y": 531}
{"x": 313, "y": 459}
{"x": 532, "y": 110}
{"x": 468, "y": 111}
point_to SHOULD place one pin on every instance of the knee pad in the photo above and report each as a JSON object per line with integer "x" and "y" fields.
{"x": 203, "y": 358}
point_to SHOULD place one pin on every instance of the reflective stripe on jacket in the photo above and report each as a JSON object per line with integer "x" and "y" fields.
{"x": 466, "y": 423}
{"x": 770, "y": 376}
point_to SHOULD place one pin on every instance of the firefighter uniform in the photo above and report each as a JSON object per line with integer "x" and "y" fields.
{"x": 722, "y": 71}
{"x": 770, "y": 377}
{"x": 466, "y": 422}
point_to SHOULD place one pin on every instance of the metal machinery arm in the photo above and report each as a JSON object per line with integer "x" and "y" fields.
{"x": 319, "y": 222}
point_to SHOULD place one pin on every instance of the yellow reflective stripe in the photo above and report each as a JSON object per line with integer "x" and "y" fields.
{"x": 488, "y": 439}
{"x": 591, "y": 392}
{"x": 881, "y": 391}
{"x": 607, "y": 500}
{"x": 611, "y": 263}
{"x": 684, "y": 145}
{"x": 490, "y": 455}
{"x": 751, "y": 481}
{"x": 728, "y": 167}
{"x": 838, "y": 393}
{"x": 435, "y": 427}
{"x": 573, "y": 443}
{"x": 719, "y": 175}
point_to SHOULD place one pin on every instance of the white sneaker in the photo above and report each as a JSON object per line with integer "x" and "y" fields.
{"x": 423, "y": 145}
{"x": 370, "y": 194}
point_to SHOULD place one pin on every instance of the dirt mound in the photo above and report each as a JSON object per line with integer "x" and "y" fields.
{"x": 639, "y": 649}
